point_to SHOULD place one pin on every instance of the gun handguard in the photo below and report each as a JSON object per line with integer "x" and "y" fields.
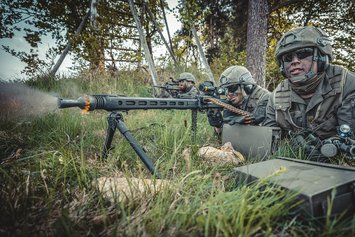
{"x": 120, "y": 103}
{"x": 116, "y": 103}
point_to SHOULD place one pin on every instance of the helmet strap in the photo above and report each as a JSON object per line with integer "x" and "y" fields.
{"x": 315, "y": 58}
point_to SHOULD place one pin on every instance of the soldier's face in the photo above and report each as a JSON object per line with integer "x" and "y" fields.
{"x": 299, "y": 62}
{"x": 182, "y": 85}
{"x": 234, "y": 94}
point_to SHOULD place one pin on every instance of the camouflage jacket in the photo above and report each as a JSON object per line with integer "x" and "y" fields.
{"x": 332, "y": 105}
{"x": 255, "y": 103}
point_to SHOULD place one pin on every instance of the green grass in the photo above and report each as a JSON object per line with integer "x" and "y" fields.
{"x": 49, "y": 164}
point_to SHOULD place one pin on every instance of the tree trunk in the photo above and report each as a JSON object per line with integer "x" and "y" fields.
{"x": 202, "y": 55}
{"x": 147, "y": 54}
{"x": 68, "y": 47}
{"x": 257, "y": 39}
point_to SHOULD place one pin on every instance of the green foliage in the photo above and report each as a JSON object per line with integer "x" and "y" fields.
{"x": 111, "y": 30}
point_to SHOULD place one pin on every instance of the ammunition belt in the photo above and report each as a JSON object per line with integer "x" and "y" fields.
{"x": 231, "y": 108}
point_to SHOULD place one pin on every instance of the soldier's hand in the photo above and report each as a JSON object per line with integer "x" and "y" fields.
{"x": 215, "y": 118}
{"x": 231, "y": 120}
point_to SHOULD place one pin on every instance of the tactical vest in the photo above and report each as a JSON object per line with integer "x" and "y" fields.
{"x": 321, "y": 117}
{"x": 258, "y": 97}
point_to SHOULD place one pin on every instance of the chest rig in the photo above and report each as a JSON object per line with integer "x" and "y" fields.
{"x": 319, "y": 113}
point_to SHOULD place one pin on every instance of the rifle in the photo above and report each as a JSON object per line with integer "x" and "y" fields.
{"x": 117, "y": 104}
{"x": 169, "y": 89}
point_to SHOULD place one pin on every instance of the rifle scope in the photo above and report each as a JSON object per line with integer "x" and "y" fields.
{"x": 208, "y": 88}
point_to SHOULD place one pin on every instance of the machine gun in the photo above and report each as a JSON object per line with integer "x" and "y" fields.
{"x": 117, "y": 104}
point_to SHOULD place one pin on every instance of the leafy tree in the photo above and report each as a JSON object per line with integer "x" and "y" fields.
{"x": 224, "y": 25}
{"x": 60, "y": 19}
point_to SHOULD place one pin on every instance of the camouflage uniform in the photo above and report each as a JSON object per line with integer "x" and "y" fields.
{"x": 254, "y": 98}
{"x": 333, "y": 100}
{"x": 190, "y": 92}
{"x": 255, "y": 104}
{"x": 333, "y": 104}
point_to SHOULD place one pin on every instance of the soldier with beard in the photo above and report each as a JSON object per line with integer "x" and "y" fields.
{"x": 187, "y": 83}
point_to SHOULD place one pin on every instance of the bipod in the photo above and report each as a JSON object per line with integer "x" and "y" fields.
{"x": 115, "y": 121}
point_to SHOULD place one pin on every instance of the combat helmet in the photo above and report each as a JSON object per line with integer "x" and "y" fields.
{"x": 237, "y": 75}
{"x": 187, "y": 76}
{"x": 303, "y": 37}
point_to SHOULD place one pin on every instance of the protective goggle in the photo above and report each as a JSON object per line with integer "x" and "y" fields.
{"x": 232, "y": 88}
{"x": 300, "y": 54}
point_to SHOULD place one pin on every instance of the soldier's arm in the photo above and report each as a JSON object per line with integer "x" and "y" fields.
{"x": 346, "y": 111}
{"x": 270, "y": 114}
{"x": 259, "y": 112}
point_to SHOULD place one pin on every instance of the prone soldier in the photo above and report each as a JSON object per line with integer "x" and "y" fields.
{"x": 316, "y": 97}
{"x": 187, "y": 83}
{"x": 243, "y": 93}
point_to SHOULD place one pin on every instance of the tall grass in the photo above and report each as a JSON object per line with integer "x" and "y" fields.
{"x": 49, "y": 165}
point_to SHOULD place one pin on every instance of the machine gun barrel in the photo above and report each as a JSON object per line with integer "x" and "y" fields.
{"x": 169, "y": 87}
{"x": 64, "y": 103}
{"x": 121, "y": 103}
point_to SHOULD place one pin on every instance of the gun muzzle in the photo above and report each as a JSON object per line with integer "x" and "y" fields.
{"x": 64, "y": 103}
{"x": 87, "y": 103}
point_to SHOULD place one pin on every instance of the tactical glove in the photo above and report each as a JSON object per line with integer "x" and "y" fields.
{"x": 215, "y": 118}
{"x": 239, "y": 119}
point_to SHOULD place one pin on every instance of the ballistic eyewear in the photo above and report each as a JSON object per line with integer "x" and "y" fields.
{"x": 300, "y": 54}
{"x": 232, "y": 88}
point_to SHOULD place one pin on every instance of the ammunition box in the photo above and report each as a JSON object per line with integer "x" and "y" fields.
{"x": 255, "y": 142}
{"x": 314, "y": 183}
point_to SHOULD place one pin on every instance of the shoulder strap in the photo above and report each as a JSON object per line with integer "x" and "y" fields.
{"x": 282, "y": 96}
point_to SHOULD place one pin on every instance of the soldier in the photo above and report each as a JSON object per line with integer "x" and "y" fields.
{"x": 316, "y": 96}
{"x": 187, "y": 83}
{"x": 243, "y": 93}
